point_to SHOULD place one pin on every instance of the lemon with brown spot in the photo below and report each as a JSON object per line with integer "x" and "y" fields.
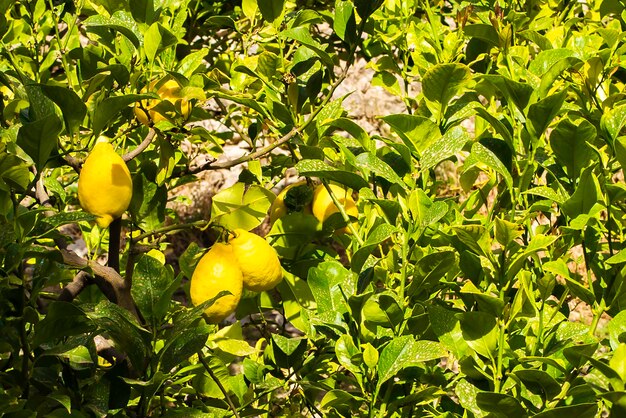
{"x": 105, "y": 187}
{"x": 217, "y": 271}
{"x": 257, "y": 260}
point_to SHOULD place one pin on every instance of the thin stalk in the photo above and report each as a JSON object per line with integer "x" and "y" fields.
{"x": 231, "y": 405}
{"x": 343, "y": 213}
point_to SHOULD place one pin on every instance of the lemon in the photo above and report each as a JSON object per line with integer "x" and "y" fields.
{"x": 323, "y": 205}
{"x": 296, "y": 201}
{"x": 104, "y": 184}
{"x": 170, "y": 91}
{"x": 217, "y": 271}
{"x": 257, "y": 259}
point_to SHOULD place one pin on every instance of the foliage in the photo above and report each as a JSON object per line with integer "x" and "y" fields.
{"x": 490, "y": 209}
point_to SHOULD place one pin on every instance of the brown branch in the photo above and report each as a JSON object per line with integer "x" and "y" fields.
{"x": 77, "y": 285}
{"x": 75, "y": 163}
{"x": 144, "y": 144}
{"x": 219, "y": 165}
{"x": 120, "y": 289}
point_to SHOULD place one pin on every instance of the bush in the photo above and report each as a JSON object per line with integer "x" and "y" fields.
{"x": 482, "y": 276}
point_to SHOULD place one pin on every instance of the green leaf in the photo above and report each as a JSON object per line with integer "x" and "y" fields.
{"x": 156, "y": 39}
{"x": 318, "y": 168}
{"x": 302, "y": 35}
{"x": 541, "y": 114}
{"x": 551, "y": 76}
{"x": 383, "y": 309}
{"x": 191, "y": 62}
{"x": 430, "y": 269}
{"x": 111, "y": 107}
{"x": 121, "y": 22}
{"x": 377, "y": 166}
{"x": 182, "y": 344}
{"x": 514, "y": 92}
{"x": 467, "y": 393}
{"x": 444, "y": 81}
{"x": 501, "y": 404}
{"x": 617, "y": 330}
{"x": 545, "y": 60}
{"x": 484, "y": 158}
{"x": 72, "y": 107}
{"x": 14, "y": 172}
{"x": 63, "y": 319}
{"x": 346, "y": 351}
{"x": 613, "y": 120}
{"x": 237, "y": 207}
{"x": 480, "y": 332}
{"x": 365, "y": 8}
{"x": 124, "y": 330}
{"x": 344, "y": 22}
{"x": 447, "y": 326}
{"x": 451, "y": 143}
{"x": 507, "y": 232}
{"x": 39, "y": 138}
{"x": 376, "y": 237}
{"x": 153, "y": 287}
{"x": 583, "y": 410}
{"x": 587, "y": 194}
{"x": 417, "y": 132}
{"x": 556, "y": 196}
{"x": 330, "y": 282}
{"x": 569, "y": 144}
{"x": 484, "y": 32}
{"x": 403, "y": 352}
{"x": 271, "y": 9}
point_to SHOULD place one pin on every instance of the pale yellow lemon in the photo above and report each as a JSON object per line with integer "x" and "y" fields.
{"x": 105, "y": 187}
{"x": 323, "y": 205}
{"x": 170, "y": 91}
{"x": 217, "y": 271}
{"x": 257, "y": 260}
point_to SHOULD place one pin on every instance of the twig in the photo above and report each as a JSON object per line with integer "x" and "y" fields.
{"x": 77, "y": 285}
{"x": 144, "y": 144}
{"x": 219, "y": 384}
{"x": 218, "y": 165}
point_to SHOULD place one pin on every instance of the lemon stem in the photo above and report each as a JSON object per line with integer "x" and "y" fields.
{"x": 343, "y": 213}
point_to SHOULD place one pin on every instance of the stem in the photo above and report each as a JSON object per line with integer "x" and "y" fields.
{"x": 169, "y": 228}
{"x": 218, "y": 383}
{"x": 405, "y": 262}
{"x": 115, "y": 232}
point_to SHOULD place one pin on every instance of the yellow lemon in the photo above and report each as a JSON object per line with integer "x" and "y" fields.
{"x": 280, "y": 207}
{"x": 170, "y": 91}
{"x": 323, "y": 205}
{"x": 257, "y": 260}
{"x": 217, "y": 271}
{"x": 104, "y": 184}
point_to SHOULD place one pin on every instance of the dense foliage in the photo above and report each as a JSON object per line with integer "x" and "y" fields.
{"x": 485, "y": 275}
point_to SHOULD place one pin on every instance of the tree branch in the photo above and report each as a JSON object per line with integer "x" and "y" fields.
{"x": 219, "y": 165}
{"x": 144, "y": 144}
{"x": 119, "y": 286}
{"x": 73, "y": 289}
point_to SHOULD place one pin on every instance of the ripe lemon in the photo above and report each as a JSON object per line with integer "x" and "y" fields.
{"x": 323, "y": 205}
{"x": 216, "y": 271}
{"x": 170, "y": 91}
{"x": 296, "y": 201}
{"x": 104, "y": 184}
{"x": 257, "y": 259}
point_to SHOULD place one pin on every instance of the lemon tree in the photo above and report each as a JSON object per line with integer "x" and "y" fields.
{"x": 452, "y": 247}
